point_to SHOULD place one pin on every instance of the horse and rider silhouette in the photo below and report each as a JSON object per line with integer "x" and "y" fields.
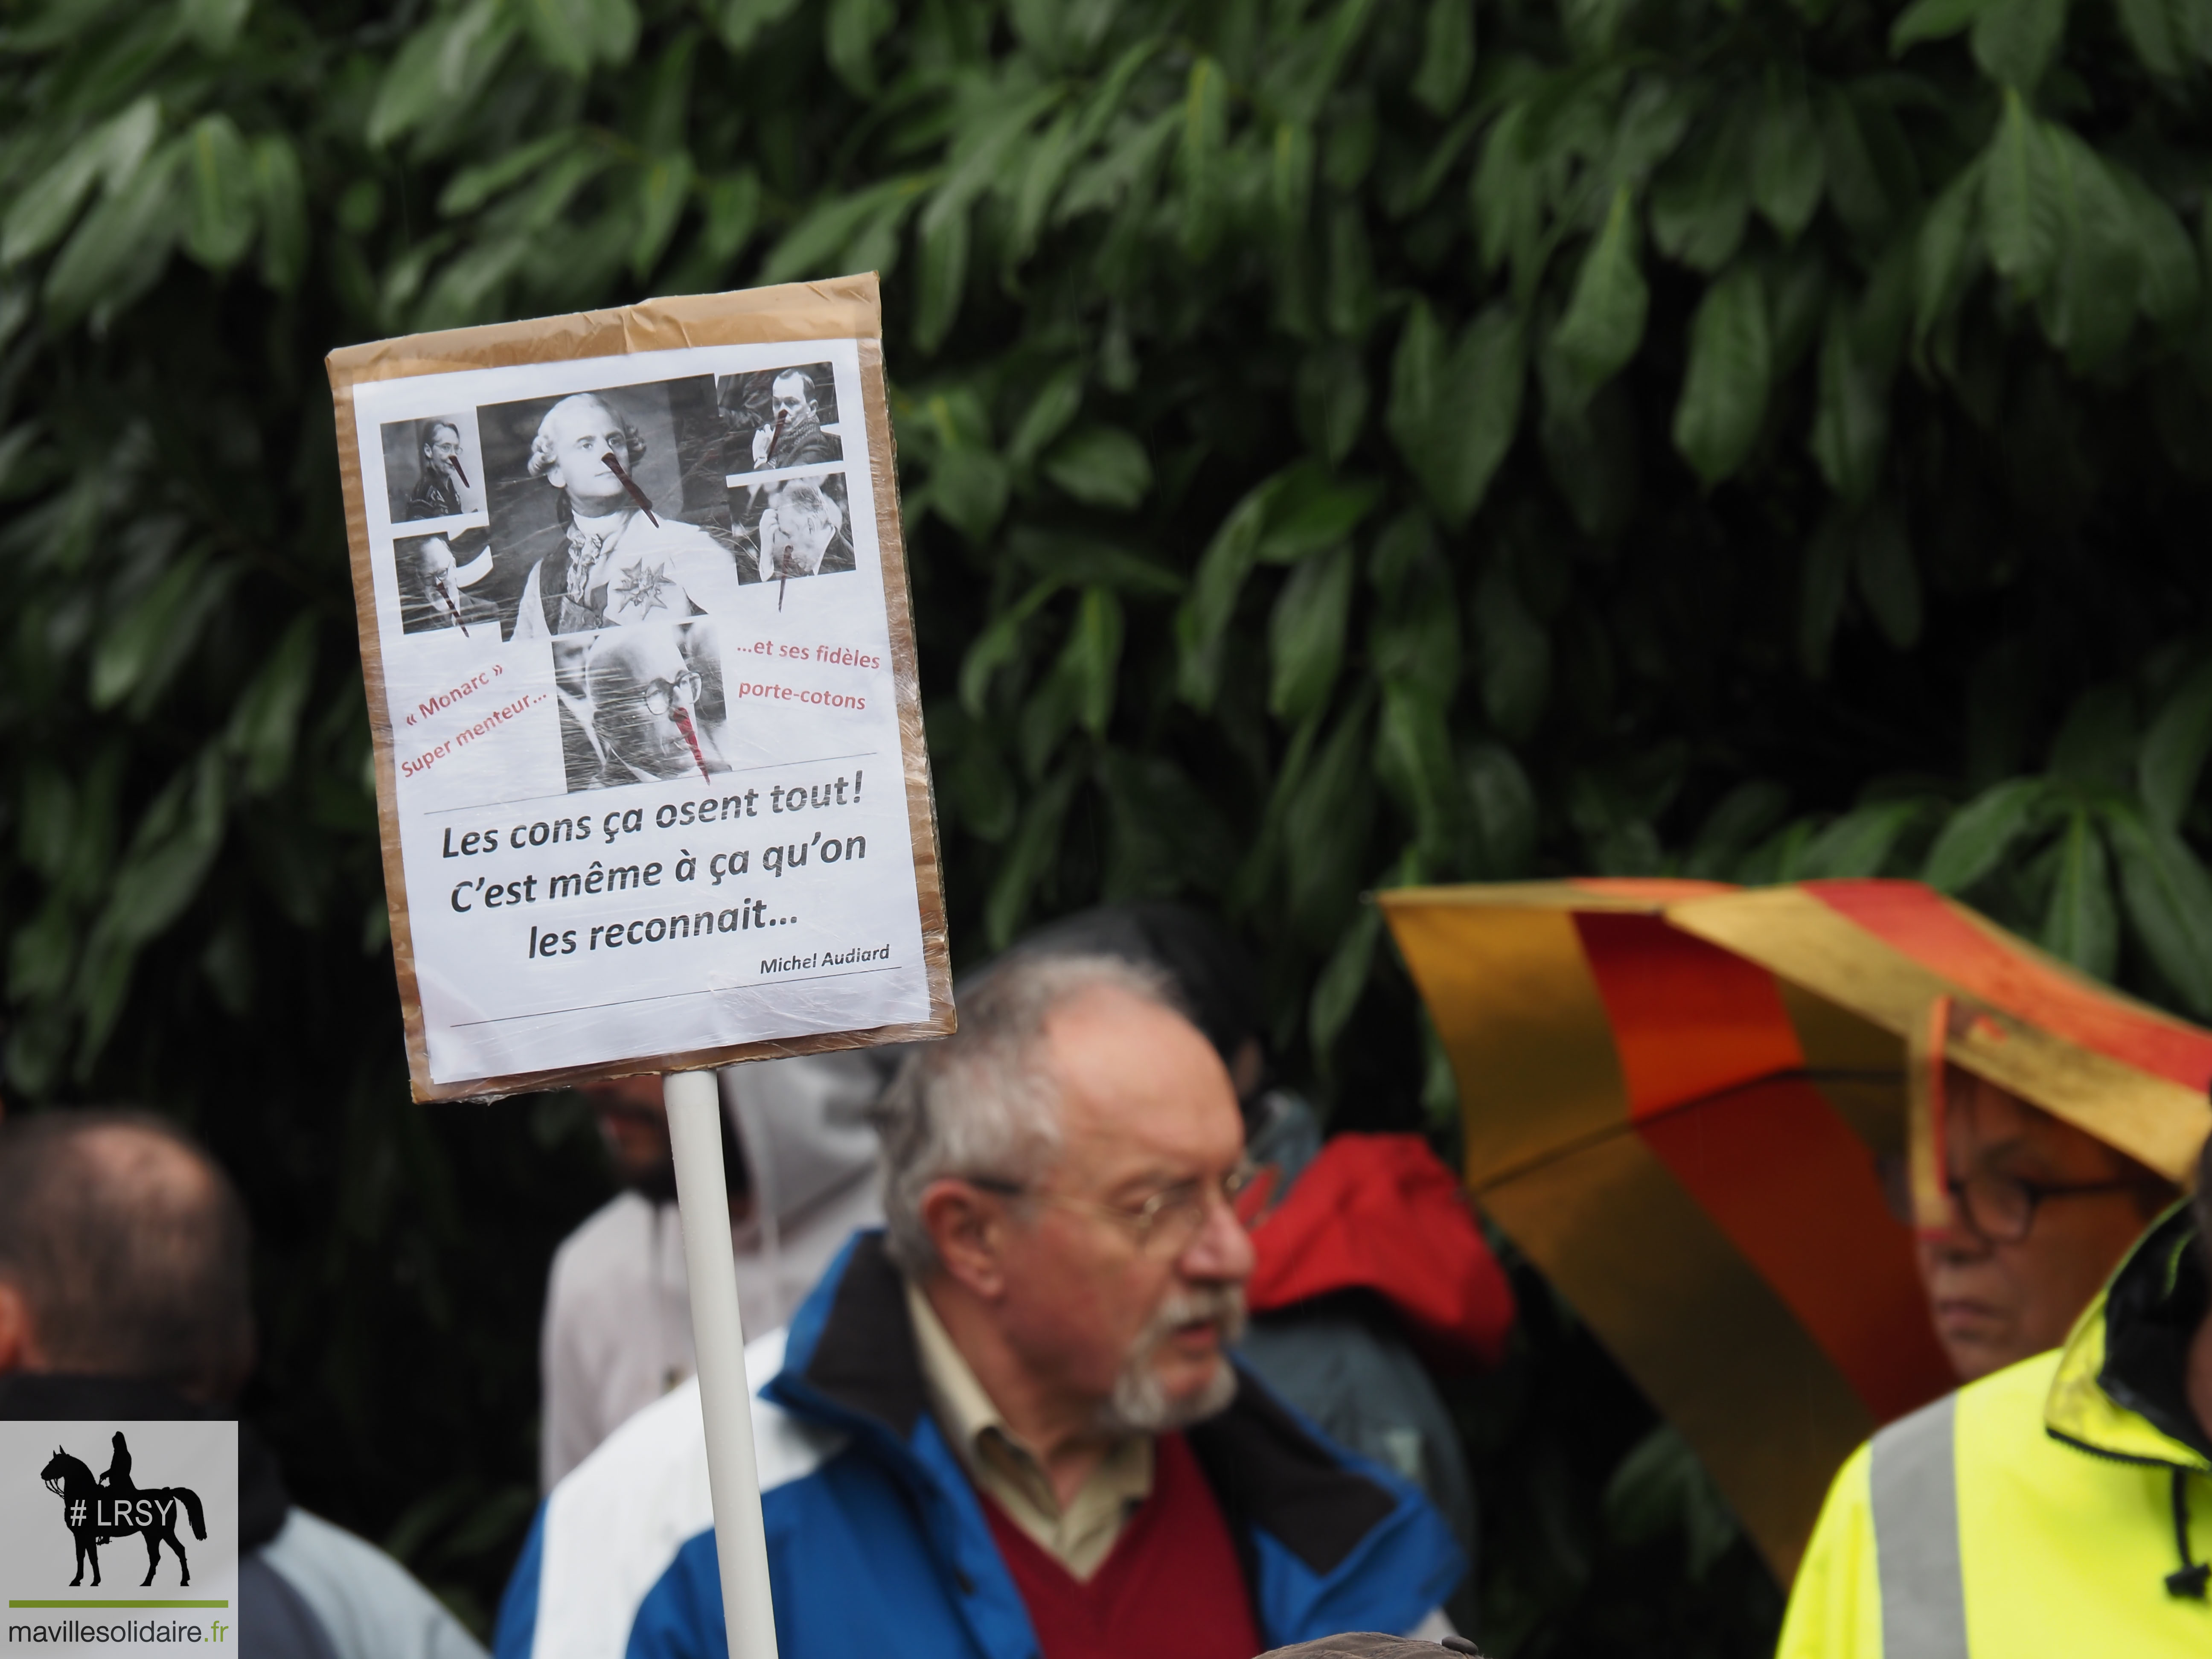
{"x": 110, "y": 1507}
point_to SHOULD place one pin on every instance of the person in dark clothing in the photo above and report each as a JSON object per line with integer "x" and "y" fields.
{"x": 123, "y": 1295}
{"x": 794, "y": 435}
{"x": 437, "y": 492}
{"x": 117, "y": 1478}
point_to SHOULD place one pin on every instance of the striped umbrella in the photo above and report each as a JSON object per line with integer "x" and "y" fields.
{"x": 1675, "y": 1094}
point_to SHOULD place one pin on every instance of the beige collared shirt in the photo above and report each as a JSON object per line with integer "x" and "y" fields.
{"x": 1079, "y": 1536}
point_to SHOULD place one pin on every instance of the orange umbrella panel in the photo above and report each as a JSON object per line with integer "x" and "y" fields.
{"x": 1686, "y": 1146}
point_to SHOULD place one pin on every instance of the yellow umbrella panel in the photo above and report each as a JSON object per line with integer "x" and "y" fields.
{"x": 1685, "y": 1143}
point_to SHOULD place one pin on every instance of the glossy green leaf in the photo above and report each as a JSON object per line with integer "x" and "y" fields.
{"x": 1100, "y": 466}
{"x": 2171, "y": 758}
{"x": 1948, "y": 251}
{"x": 2149, "y": 26}
{"x": 1933, "y": 20}
{"x": 1047, "y": 416}
{"x": 1502, "y": 811}
{"x": 1028, "y": 856}
{"x": 741, "y": 23}
{"x": 1309, "y": 509}
{"x": 819, "y": 242}
{"x": 1604, "y": 319}
{"x": 1082, "y": 559}
{"x": 1741, "y": 818}
{"x": 1850, "y": 422}
{"x": 219, "y": 166}
{"x": 1859, "y": 843}
{"x": 176, "y": 842}
{"x": 1447, "y": 56}
{"x": 283, "y": 197}
{"x": 1305, "y": 635}
{"x": 1337, "y": 990}
{"x": 1204, "y": 616}
{"x": 1507, "y": 195}
{"x": 996, "y": 646}
{"x": 2170, "y": 280}
{"x": 942, "y": 279}
{"x": 1332, "y": 400}
{"x": 1455, "y": 407}
{"x": 1703, "y": 199}
{"x": 1326, "y": 823}
{"x": 2168, "y": 897}
{"x": 1094, "y": 654}
{"x": 1852, "y": 176}
{"x": 214, "y": 25}
{"x": 1981, "y": 835}
{"x": 1205, "y": 127}
{"x": 1787, "y": 166}
{"x": 850, "y": 31}
{"x": 1413, "y": 758}
{"x": 2081, "y": 922}
{"x": 2013, "y": 40}
{"x": 2021, "y": 213}
{"x": 264, "y": 723}
{"x": 36, "y": 218}
{"x": 664, "y": 191}
{"x": 1724, "y": 401}
{"x": 118, "y": 249}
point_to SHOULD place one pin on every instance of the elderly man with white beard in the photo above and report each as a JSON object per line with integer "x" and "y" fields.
{"x": 1008, "y": 1425}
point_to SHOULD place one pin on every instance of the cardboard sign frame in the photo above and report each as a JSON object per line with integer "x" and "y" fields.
{"x": 847, "y": 307}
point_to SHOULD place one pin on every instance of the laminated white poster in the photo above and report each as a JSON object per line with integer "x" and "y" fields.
{"x": 640, "y": 670}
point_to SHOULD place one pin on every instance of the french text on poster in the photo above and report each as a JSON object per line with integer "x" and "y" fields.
{"x": 646, "y": 775}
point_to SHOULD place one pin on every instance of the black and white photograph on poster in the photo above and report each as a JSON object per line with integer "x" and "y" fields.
{"x": 793, "y": 528}
{"x": 436, "y": 573}
{"x": 633, "y": 735}
{"x": 781, "y": 417}
{"x": 119, "y": 1535}
{"x": 641, "y": 704}
{"x": 609, "y": 508}
{"x": 433, "y": 467}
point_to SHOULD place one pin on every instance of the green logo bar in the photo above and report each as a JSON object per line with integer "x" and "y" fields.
{"x": 118, "y": 1604}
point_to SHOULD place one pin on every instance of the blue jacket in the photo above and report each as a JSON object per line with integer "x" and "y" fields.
{"x": 877, "y": 1542}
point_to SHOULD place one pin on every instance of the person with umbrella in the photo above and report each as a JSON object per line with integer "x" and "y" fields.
{"x": 1681, "y": 1101}
{"x": 2060, "y": 1505}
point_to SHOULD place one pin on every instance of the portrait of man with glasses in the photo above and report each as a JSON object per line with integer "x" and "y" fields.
{"x": 639, "y": 704}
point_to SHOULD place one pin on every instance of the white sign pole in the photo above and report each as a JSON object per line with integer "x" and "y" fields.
{"x": 694, "y": 1135}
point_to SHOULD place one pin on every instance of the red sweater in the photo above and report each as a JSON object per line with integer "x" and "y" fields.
{"x": 1171, "y": 1588}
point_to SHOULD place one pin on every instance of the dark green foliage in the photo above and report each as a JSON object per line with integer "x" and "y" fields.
{"x": 1344, "y": 443}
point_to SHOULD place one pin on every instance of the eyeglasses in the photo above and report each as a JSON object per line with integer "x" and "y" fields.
{"x": 660, "y": 695}
{"x": 1998, "y": 1209}
{"x": 1165, "y": 1225}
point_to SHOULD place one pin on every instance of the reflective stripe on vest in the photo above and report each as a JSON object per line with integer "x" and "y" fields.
{"x": 1915, "y": 1494}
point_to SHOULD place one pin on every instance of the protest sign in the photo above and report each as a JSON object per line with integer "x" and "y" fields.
{"x": 642, "y": 684}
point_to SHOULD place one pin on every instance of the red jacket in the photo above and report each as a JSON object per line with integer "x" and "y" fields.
{"x": 1383, "y": 1213}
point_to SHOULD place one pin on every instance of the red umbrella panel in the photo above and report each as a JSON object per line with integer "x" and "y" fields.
{"x": 1685, "y": 1143}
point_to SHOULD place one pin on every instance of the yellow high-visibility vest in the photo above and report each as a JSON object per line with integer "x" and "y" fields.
{"x": 2029, "y": 1513}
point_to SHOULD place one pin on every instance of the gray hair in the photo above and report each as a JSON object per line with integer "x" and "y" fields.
{"x": 983, "y": 1102}
{"x": 544, "y": 460}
